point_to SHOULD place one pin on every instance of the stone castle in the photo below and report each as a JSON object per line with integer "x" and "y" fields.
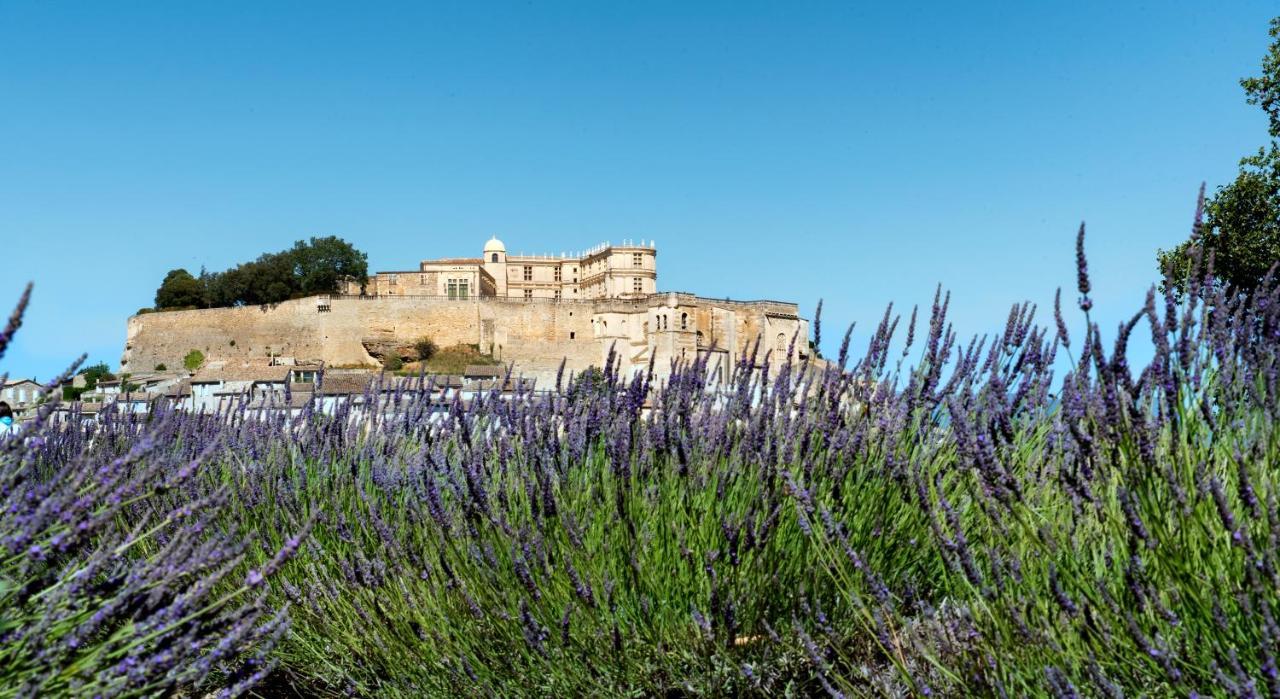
{"x": 531, "y": 311}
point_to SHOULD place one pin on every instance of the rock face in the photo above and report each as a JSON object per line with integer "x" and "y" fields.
{"x": 534, "y": 335}
{"x": 382, "y": 345}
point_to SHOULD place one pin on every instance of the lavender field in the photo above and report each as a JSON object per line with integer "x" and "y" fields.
{"x": 1016, "y": 515}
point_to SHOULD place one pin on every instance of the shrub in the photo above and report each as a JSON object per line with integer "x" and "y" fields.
{"x": 392, "y": 363}
{"x": 962, "y": 523}
{"x": 119, "y": 574}
{"x": 193, "y": 360}
{"x": 161, "y": 367}
{"x": 425, "y": 348}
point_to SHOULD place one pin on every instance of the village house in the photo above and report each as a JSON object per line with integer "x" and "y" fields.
{"x": 20, "y": 394}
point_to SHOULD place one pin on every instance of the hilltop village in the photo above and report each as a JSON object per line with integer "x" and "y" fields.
{"x": 518, "y": 315}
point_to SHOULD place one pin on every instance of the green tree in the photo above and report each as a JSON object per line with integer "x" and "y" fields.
{"x": 180, "y": 290}
{"x": 193, "y": 360}
{"x": 322, "y": 264}
{"x": 1242, "y": 219}
{"x": 317, "y": 266}
{"x": 92, "y": 375}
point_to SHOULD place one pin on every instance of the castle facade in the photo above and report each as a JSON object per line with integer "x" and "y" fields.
{"x": 607, "y": 271}
{"x": 532, "y": 312}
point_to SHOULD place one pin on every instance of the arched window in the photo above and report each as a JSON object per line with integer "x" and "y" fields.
{"x": 494, "y": 257}
{"x": 780, "y": 343}
{"x": 701, "y": 340}
{"x": 684, "y": 321}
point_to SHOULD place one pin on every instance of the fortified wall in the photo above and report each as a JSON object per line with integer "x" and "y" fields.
{"x": 534, "y": 334}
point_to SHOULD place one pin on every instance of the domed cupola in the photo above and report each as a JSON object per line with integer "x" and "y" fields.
{"x": 495, "y": 251}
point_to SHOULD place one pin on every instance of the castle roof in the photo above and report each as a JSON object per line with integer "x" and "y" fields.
{"x": 249, "y": 372}
{"x": 494, "y": 245}
{"x": 454, "y": 261}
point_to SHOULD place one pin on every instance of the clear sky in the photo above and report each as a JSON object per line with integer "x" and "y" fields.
{"x": 856, "y": 152}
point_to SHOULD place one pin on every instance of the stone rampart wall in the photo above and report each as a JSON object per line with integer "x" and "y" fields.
{"x": 536, "y": 336}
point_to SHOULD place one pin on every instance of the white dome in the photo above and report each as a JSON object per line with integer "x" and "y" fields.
{"x": 494, "y": 245}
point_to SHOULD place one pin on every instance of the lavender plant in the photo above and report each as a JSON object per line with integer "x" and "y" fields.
{"x": 1024, "y": 513}
{"x": 107, "y": 587}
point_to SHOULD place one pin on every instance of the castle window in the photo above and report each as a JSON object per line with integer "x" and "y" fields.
{"x": 684, "y": 321}
{"x": 637, "y": 260}
{"x": 493, "y": 257}
{"x": 528, "y": 273}
{"x": 557, "y": 273}
{"x": 457, "y": 289}
{"x": 700, "y": 339}
{"x": 557, "y": 294}
{"x": 528, "y": 293}
{"x": 572, "y": 335}
{"x": 422, "y": 279}
{"x": 780, "y": 343}
{"x": 391, "y": 279}
{"x": 636, "y": 285}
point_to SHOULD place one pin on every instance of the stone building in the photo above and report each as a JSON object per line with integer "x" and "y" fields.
{"x": 629, "y": 270}
{"x": 20, "y": 394}
{"x": 532, "y": 312}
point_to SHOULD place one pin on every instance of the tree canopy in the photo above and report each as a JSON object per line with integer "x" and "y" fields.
{"x": 180, "y": 290}
{"x": 92, "y": 375}
{"x": 1242, "y": 219}
{"x": 315, "y": 266}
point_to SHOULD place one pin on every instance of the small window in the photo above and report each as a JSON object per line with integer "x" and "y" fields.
{"x": 637, "y": 285}
{"x": 528, "y": 294}
{"x": 391, "y": 279}
{"x": 572, "y": 335}
{"x": 493, "y": 257}
{"x": 684, "y": 321}
{"x": 528, "y": 273}
{"x": 557, "y": 294}
{"x": 557, "y": 273}
{"x": 637, "y": 260}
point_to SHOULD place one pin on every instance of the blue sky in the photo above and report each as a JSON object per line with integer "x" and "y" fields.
{"x": 855, "y": 152}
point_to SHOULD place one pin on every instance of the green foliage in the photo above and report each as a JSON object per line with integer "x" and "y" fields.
{"x": 1242, "y": 219}
{"x": 193, "y": 360}
{"x": 92, "y": 375}
{"x": 425, "y": 348}
{"x": 180, "y": 290}
{"x": 393, "y": 363}
{"x": 161, "y": 367}
{"x": 315, "y": 266}
{"x": 95, "y": 373}
{"x": 127, "y": 386}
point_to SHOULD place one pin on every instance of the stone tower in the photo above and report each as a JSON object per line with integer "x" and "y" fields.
{"x": 495, "y": 263}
